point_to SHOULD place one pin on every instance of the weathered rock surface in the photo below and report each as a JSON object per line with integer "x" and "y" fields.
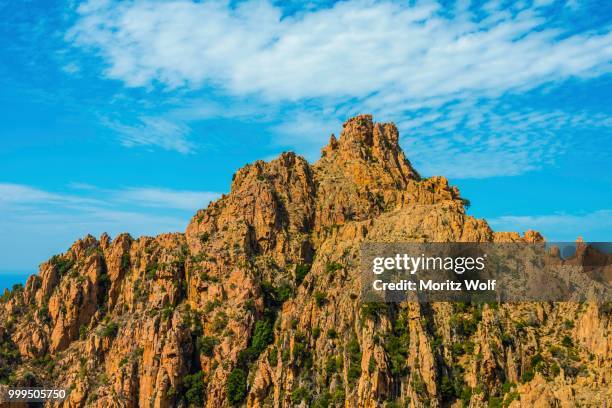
{"x": 257, "y": 304}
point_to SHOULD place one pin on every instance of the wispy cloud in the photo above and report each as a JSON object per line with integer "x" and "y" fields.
{"x": 40, "y": 223}
{"x": 308, "y": 131}
{"x": 390, "y": 52}
{"x": 483, "y": 139}
{"x": 423, "y": 65}
{"x": 593, "y": 226}
{"x": 165, "y": 198}
{"x": 154, "y": 131}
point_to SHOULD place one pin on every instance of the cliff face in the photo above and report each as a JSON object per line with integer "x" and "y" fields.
{"x": 257, "y": 304}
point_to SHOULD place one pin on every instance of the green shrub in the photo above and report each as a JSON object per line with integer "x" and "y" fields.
{"x": 567, "y": 342}
{"x": 447, "y": 389}
{"x": 284, "y": 292}
{"x": 354, "y": 352}
{"x": 300, "y": 394}
{"x": 123, "y": 361}
{"x": 262, "y": 336}
{"x": 331, "y": 366}
{"x": 220, "y": 321}
{"x": 61, "y": 264}
{"x": 506, "y": 340}
{"x": 204, "y": 236}
{"x": 535, "y": 360}
{"x": 507, "y": 386}
{"x": 458, "y": 349}
{"x": 275, "y": 296}
{"x": 151, "y": 271}
{"x": 110, "y": 330}
{"x": 466, "y": 395}
{"x": 332, "y": 267}
{"x": 323, "y": 401}
{"x": 332, "y": 333}
{"x": 167, "y": 311}
{"x": 463, "y": 326}
{"x": 273, "y": 357}
{"x": 211, "y": 305}
{"x": 495, "y": 402}
{"x": 300, "y": 273}
{"x": 373, "y": 309}
{"x": 527, "y": 376}
{"x": 514, "y": 395}
{"x": 125, "y": 262}
{"x": 316, "y": 332}
{"x": 236, "y": 386}
{"x": 82, "y": 331}
{"x": 555, "y": 370}
{"x": 286, "y": 353}
{"x": 319, "y": 298}
{"x": 354, "y": 372}
{"x": 338, "y": 397}
{"x": 194, "y": 389}
{"x": 396, "y": 345}
{"x": 9, "y": 356}
{"x": 418, "y": 385}
{"x": 206, "y": 345}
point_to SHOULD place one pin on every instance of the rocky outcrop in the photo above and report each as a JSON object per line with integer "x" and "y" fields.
{"x": 258, "y": 303}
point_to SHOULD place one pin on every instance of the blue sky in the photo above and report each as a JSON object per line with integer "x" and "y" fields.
{"x": 128, "y": 116}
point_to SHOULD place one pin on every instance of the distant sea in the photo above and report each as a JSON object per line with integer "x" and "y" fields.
{"x": 7, "y": 279}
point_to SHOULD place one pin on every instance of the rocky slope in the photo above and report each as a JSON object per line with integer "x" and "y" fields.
{"x": 257, "y": 304}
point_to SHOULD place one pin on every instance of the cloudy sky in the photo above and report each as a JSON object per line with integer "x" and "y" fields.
{"x": 130, "y": 115}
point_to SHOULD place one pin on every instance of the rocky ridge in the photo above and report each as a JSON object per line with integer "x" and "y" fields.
{"x": 257, "y": 304}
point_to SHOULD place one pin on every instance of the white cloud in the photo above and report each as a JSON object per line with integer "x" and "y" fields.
{"x": 478, "y": 139}
{"x": 423, "y": 66}
{"x": 154, "y": 131}
{"x": 164, "y": 198}
{"x": 388, "y": 51}
{"x": 41, "y": 223}
{"x": 593, "y": 226}
{"x": 309, "y": 131}
{"x": 16, "y": 193}
{"x": 71, "y": 68}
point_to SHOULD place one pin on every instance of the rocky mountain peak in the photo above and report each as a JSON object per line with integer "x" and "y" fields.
{"x": 367, "y": 148}
{"x": 257, "y": 303}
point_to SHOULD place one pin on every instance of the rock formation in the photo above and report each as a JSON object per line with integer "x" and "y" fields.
{"x": 257, "y": 304}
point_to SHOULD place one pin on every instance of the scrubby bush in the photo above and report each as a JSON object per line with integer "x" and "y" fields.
{"x": 332, "y": 267}
{"x": 262, "y": 336}
{"x": 319, "y": 298}
{"x": 220, "y": 321}
{"x": 300, "y": 394}
{"x": 110, "y": 330}
{"x": 61, "y": 264}
{"x": 125, "y": 262}
{"x": 206, "y": 345}
{"x": 354, "y": 352}
{"x": 193, "y": 385}
{"x": 300, "y": 272}
{"x": 373, "y": 309}
{"x": 236, "y": 386}
{"x": 567, "y": 342}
